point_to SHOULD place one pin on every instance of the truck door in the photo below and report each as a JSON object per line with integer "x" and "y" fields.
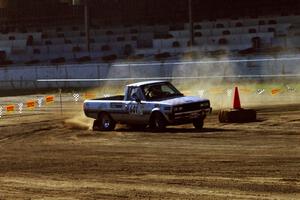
{"x": 135, "y": 108}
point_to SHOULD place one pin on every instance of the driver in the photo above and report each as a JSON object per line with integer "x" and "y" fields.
{"x": 155, "y": 91}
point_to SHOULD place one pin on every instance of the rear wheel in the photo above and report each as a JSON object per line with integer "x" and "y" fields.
{"x": 198, "y": 123}
{"x": 157, "y": 122}
{"x": 104, "y": 123}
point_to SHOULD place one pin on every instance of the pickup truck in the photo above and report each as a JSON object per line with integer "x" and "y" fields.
{"x": 150, "y": 103}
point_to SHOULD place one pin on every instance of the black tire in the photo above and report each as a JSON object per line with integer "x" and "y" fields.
{"x": 198, "y": 123}
{"x": 245, "y": 115}
{"x": 237, "y": 116}
{"x": 157, "y": 122}
{"x": 104, "y": 123}
{"x": 222, "y": 116}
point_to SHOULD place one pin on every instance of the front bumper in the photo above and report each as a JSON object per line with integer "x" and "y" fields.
{"x": 189, "y": 116}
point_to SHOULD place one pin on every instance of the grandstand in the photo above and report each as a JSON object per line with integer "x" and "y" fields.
{"x": 53, "y": 32}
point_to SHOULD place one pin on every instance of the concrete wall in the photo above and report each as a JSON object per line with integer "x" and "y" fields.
{"x": 25, "y": 77}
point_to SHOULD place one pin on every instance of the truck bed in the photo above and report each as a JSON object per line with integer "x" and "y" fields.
{"x": 116, "y": 98}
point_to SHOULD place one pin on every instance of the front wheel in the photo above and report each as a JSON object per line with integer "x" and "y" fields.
{"x": 104, "y": 123}
{"x": 157, "y": 122}
{"x": 198, "y": 123}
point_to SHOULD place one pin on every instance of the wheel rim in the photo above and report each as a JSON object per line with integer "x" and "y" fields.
{"x": 105, "y": 122}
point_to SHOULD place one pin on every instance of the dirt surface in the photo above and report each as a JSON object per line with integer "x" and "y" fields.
{"x": 53, "y": 156}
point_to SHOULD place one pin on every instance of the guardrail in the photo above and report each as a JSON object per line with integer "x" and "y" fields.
{"x": 93, "y": 75}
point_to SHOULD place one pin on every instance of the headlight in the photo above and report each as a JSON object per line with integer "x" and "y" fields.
{"x": 206, "y": 104}
{"x": 178, "y": 109}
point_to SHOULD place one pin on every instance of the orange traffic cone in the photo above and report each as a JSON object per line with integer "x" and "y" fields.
{"x": 237, "y": 114}
{"x": 236, "y": 99}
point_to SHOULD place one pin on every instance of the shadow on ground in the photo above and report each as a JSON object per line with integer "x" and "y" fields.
{"x": 175, "y": 130}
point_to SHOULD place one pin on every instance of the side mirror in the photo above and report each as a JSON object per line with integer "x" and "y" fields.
{"x": 136, "y": 98}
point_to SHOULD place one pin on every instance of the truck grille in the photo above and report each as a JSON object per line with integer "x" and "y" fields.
{"x": 192, "y": 106}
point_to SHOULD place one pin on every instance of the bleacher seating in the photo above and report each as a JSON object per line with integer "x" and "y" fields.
{"x": 67, "y": 43}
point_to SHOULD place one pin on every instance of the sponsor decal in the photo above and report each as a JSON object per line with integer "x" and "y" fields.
{"x": 229, "y": 92}
{"x": 260, "y": 91}
{"x": 290, "y": 89}
{"x": 20, "y": 105}
{"x": 49, "y": 99}
{"x": 76, "y": 97}
{"x": 10, "y": 108}
{"x": 275, "y": 91}
{"x": 40, "y": 102}
{"x": 30, "y": 104}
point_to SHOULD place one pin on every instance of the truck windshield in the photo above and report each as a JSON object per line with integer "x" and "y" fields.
{"x": 160, "y": 91}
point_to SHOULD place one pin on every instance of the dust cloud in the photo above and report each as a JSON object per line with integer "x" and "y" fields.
{"x": 216, "y": 80}
{"x": 78, "y": 122}
{"x": 76, "y": 119}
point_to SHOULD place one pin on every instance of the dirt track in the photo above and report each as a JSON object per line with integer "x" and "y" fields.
{"x": 42, "y": 157}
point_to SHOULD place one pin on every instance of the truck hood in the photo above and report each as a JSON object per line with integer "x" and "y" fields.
{"x": 183, "y": 100}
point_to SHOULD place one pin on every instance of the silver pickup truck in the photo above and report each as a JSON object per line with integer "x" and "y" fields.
{"x": 153, "y": 103}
